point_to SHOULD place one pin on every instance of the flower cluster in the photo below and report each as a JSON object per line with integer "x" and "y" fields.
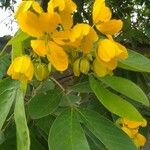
{"x": 131, "y": 128}
{"x": 62, "y": 43}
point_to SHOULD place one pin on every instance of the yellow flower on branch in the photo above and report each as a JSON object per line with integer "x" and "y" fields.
{"x": 102, "y": 19}
{"x": 21, "y": 69}
{"x": 44, "y": 26}
{"x": 131, "y": 129}
{"x": 108, "y": 54}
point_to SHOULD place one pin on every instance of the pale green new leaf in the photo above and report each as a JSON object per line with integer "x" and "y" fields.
{"x": 110, "y": 135}
{"x": 22, "y": 131}
{"x": 114, "y": 103}
{"x": 66, "y": 133}
{"x": 127, "y": 88}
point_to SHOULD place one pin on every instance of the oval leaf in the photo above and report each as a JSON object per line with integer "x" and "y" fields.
{"x": 44, "y": 104}
{"x": 135, "y": 62}
{"x": 66, "y": 133}
{"x": 127, "y": 88}
{"x": 114, "y": 103}
{"x": 109, "y": 134}
{"x": 7, "y": 96}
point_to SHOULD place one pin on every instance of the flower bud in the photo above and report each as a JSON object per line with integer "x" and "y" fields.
{"x": 84, "y": 65}
{"x": 76, "y": 67}
{"x": 41, "y": 71}
{"x": 21, "y": 69}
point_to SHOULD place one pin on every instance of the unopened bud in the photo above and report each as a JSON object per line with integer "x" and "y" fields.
{"x": 41, "y": 71}
{"x": 76, "y": 67}
{"x": 84, "y": 65}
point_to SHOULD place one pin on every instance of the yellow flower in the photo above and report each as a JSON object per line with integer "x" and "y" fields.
{"x": 21, "y": 69}
{"x": 83, "y": 36}
{"x": 65, "y": 8}
{"x": 102, "y": 19}
{"x": 108, "y": 54}
{"x": 43, "y": 26}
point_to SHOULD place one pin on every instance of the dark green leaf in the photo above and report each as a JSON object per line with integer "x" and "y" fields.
{"x": 44, "y": 104}
{"x": 110, "y": 135}
{"x": 66, "y": 133}
{"x": 82, "y": 87}
{"x": 127, "y": 88}
{"x": 4, "y": 63}
{"x": 114, "y": 103}
{"x": 7, "y": 96}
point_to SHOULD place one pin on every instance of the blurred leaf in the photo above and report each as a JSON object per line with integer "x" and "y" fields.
{"x": 135, "y": 62}
{"x": 22, "y": 131}
{"x": 45, "y": 123}
{"x": 66, "y": 133}
{"x": 114, "y": 103}
{"x": 82, "y": 87}
{"x": 109, "y": 134}
{"x": 7, "y": 96}
{"x": 44, "y": 104}
{"x": 19, "y": 37}
{"x": 127, "y": 88}
{"x": 69, "y": 100}
{"x": 4, "y": 63}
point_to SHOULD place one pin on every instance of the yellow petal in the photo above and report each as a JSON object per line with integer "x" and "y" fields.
{"x": 79, "y": 31}
{"x": 61, "y": 37}
{"x": 66, "y": 20}
{"x": 29, "y": 23}
{"x": 107, "y": 50}
{"x": 48, "y": 22}
{"x": 39, "y": 47}
{"x": 131, "y": 124}
{"x": 36, "y": 7}
{"x": 100, "y": 69}
{"x": 59, "y": 4}
{"x": 127, "y": 131}
{"x": 87, "y": 42}
{"x": 124, "y": 53}
{"x": 110, "y": 27}
{"x": 101, "y": 13}
{"x": 57, "y": 57}
{"x": 23, "y": 7}
{"x": 139, "y": 140}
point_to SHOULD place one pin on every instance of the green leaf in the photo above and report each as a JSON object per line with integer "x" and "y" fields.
{"x": 22, "y": 131}
{"x": 114, "y": 103}
{"x": 44, "y": 104}
{"x": 109, "y": 134}
{"x": 82, "y": 87}
{"x": 127, "y": 88}
{"x": 7, "y": 96}
{"x": 135, "y": 62}
{"x": 4, "y": 63}
{"x": 19, "y": 37}
{"x": 66, "y": 133}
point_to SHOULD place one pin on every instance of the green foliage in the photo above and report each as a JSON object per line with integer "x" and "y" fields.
{"x": 56, "y": 115}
